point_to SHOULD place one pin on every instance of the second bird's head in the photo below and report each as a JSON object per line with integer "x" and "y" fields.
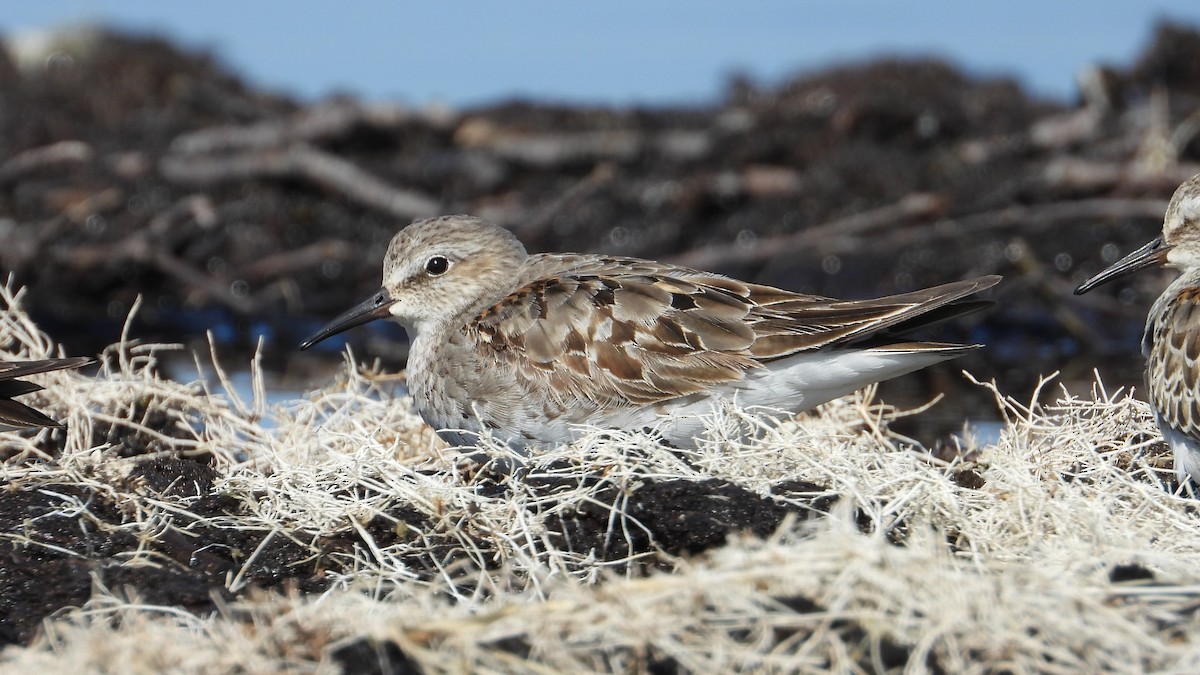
{"x": 1177, "y": 246}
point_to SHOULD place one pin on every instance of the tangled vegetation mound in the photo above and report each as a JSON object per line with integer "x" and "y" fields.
{"x": 174, "y": 527}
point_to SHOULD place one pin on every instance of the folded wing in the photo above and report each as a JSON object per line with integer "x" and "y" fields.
{"x": 621, "y": 334}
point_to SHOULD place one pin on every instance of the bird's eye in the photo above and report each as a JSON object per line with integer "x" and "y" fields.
{"x": 437, "y": 266}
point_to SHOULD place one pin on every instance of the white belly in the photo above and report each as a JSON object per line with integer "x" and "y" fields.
{"x": 797, "y": 383}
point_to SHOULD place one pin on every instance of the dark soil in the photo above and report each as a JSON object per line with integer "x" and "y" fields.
{"x": 366, "y": 655}
{"x": 79, "y": 537}
{"x": 185, "y": 564}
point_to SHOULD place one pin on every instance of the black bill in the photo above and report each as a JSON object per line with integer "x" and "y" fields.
{"x": 1154, "y": 253}
{"x": 374, "y": 307}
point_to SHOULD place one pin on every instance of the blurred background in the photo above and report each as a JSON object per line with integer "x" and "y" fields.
{"x": 241, "y": 167}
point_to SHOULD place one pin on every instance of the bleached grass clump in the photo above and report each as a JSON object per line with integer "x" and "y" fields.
{"x": 1009, "y": 570}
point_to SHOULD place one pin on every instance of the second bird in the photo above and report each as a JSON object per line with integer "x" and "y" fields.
{"x": 528, "y": 348}
{"x": 1171, "y": 342}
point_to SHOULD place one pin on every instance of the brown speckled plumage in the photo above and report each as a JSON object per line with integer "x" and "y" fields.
{"x": 529, "y": 347}
{"x": 1171, "y": 342}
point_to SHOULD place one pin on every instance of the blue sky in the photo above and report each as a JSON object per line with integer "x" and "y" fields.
{"x": 617, "y": 52}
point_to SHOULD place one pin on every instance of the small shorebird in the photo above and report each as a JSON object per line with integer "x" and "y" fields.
{"x": 530, "y": 347}
{"x": 1171, "y": 343}
{"x": 15, "y": 415}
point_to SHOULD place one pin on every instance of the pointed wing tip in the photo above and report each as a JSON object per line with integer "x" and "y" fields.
{"x": 15, "y": 415}
{"x": 11, "y": 370}
{"x": 989, "y": 280}
{"x": 971, "y": 286}
{"x": 72, "y": 362}
{"x": 950, "y": 348}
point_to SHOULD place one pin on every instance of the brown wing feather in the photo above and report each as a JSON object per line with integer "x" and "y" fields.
{"x": 618, "y": 338}
{"x": 14, "y": 414}
{"x": 787, "y": 325}
{"x": 13, "y": 369}
{"x": 625, "y": 331}
{"x": 1173, "y": 363}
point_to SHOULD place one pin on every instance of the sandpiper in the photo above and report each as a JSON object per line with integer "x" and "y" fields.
{"x": 1171, "y": 342}
{"x": 15, "y": 415}
{"x": 528, "y": 348}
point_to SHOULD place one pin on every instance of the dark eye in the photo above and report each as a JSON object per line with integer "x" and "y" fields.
{"x": 437, "y": 265}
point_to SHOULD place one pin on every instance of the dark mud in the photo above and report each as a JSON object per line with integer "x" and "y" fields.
{"x": 67, "y": 539}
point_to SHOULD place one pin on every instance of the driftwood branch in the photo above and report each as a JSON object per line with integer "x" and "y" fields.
{"x": 1030, "y": 219}
{"x": 887, "y": 229}
{"x": 535, "y": 225}
{"x": 323, "y": 121}
{"x": 138, "y": 249}
{"x": 1075, "y": 174}
{"x": 301, "y": 161}
{"x": 285, "y": 148}
{"x": 47, "y": 156}
{"x": 911, "y": 207}
{"x": 288, "y": 262}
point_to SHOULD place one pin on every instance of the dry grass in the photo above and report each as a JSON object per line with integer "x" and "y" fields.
{"x": 1011, "y": 572}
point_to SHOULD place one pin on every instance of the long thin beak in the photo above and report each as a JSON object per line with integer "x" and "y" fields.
{"x": 374, "y": 307}
{"x": 1154, "y": 253}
